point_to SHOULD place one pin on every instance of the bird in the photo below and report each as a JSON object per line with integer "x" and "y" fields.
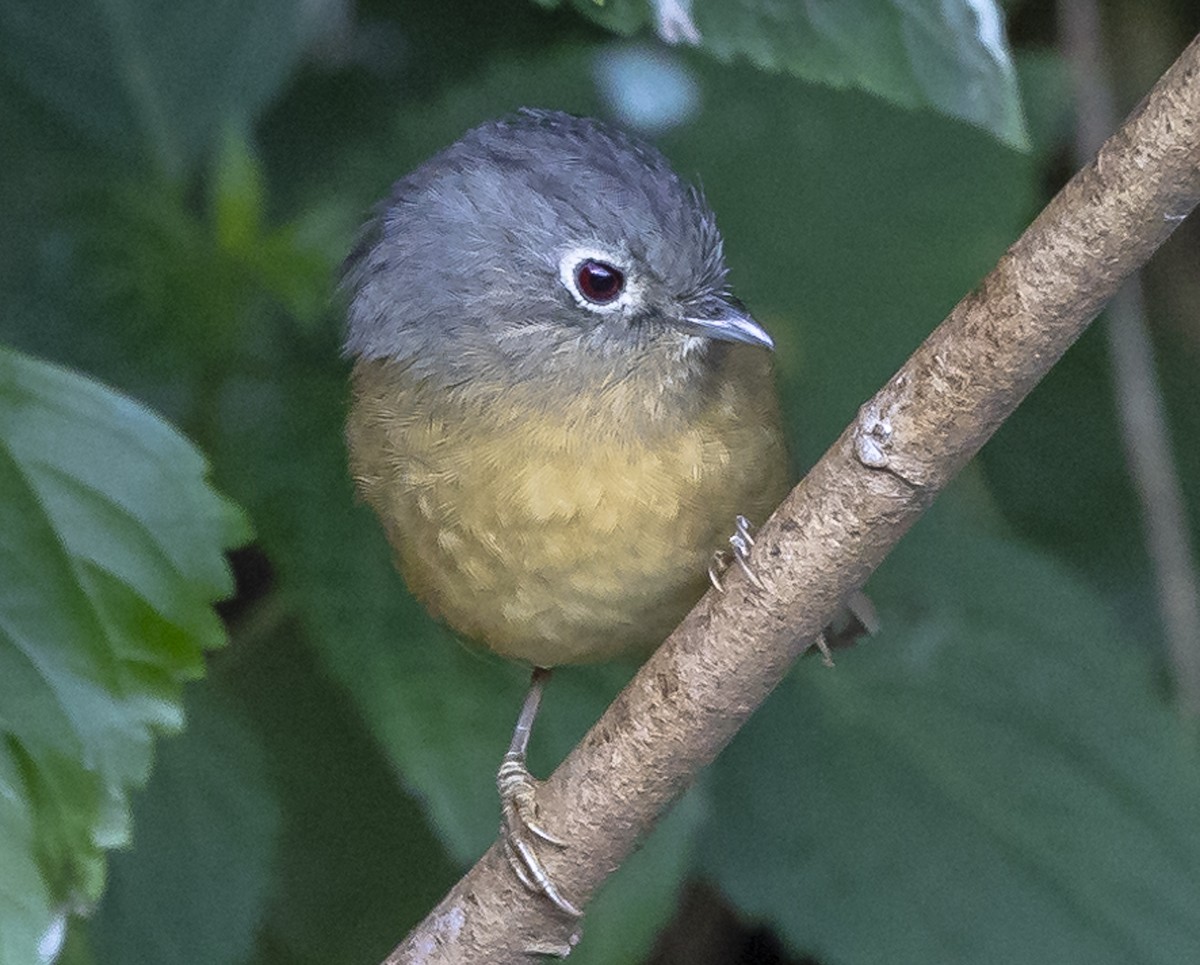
{"x": 558, "y": 409}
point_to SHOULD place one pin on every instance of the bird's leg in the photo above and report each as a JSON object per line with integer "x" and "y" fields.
{"x": 518, "y": 803}
{"x": 741, "y": 543}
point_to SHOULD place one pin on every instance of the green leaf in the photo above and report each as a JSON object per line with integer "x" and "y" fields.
{"x": 947, "y": 55}
{"x": 194, "y": 886}
{"x": 993, "y": 778}
{"x": 110, "y": 556}
{"x": 342, "y": 894}
{"x": 149, "y": 78}
{"x": 621, "y": 16}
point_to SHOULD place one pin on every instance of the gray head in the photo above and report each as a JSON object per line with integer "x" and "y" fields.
{"x": 542, "y": 243}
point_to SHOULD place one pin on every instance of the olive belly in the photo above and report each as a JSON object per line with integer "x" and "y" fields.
{"x": 549, "y": 539}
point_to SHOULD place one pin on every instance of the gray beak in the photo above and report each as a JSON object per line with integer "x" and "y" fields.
{"x": 725, "y": 320}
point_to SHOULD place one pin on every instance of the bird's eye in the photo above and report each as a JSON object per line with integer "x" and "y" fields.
{"x": 599, "y": 282}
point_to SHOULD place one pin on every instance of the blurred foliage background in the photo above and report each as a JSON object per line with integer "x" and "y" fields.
{"x": 999, "y": 775}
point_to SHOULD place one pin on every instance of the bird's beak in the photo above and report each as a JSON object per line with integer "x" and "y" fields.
{"x": 725, "y": 320}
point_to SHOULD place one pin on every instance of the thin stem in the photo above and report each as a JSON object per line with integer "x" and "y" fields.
{"x": 1139, "y": 400}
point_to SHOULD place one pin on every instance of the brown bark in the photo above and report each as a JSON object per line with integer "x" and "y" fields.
{"x": 831, "y": 532}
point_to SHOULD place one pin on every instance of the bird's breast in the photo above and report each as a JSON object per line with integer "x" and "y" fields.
{"x": 562, "y": 530}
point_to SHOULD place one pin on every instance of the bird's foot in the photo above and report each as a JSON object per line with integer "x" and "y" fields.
{"x": 520, "y": 831}
{"x": 740, "y": 545}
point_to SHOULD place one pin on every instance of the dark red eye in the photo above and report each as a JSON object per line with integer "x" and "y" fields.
{"x": 599, "y": 282}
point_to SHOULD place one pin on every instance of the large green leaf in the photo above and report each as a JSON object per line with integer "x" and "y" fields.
{"x": 194, "y": 886}
{"x": 342, "y": 893}
{"x": 995, "y": 777}
{"x": 110, "y": 556}
{"x": 947, "y": 55}
{"x": 154, "y": 78}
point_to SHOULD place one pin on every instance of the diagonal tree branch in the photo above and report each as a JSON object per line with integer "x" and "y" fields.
{"x": 831, "y": 532}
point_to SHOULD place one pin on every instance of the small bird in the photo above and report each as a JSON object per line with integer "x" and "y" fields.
{"x": 558, "y": 408}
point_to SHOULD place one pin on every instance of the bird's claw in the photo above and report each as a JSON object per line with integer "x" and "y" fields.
{"x": 826, "y": 655}
{"x": 518, "y": 799}
{"x": 741, "y": 543}
{"x": 717, "y": 565}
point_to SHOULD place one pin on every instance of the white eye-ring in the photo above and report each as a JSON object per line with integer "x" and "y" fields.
{"x": 596, "y": 280}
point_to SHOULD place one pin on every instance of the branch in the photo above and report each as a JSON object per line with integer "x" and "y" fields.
{"x": 834, "y": 529}
{"x": 1140, "y": 407}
